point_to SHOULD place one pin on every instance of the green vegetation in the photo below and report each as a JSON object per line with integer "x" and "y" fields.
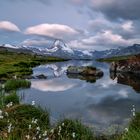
{"x": 11, "y": 98}
{"x": 20, "y": 64}
{"x": 16, "y": 84}
{"x": 21, "y": 122}
{"x": 117, "y": 58}
{"x": 134, "y": 129}
{"x": 69, "y": 129}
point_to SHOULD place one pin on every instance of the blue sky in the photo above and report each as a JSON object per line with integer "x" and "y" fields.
{"x": 83, "y": 24}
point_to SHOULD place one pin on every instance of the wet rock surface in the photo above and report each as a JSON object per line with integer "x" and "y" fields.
{"x": 131, "y": 65}
{"x": 84, "y": 71}
{"x": 89, "y": 74}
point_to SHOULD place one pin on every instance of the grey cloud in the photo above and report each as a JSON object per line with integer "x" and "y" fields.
{"x": 47, "y": 2}
{"x": 118, "y": 8}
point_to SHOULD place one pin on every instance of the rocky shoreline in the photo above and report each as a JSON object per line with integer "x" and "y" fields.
{"x": 131, "y": 65}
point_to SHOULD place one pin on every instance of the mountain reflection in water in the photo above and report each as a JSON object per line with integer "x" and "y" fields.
{"x": 100, "y": 105}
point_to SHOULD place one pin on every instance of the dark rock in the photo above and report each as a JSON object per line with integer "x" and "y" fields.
{"x": 41, "y": 76}
{"x": 128, "y": 66}
{"x": 84, "y": 71}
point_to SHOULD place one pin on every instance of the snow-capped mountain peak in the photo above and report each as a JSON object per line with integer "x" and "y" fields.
{"x": 59, "y": 44}
{"x": 58, "y": 49}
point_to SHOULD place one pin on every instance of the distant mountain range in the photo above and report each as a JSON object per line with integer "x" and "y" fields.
{"x": 60, "y": 49}
{"x": 120, "y": 51}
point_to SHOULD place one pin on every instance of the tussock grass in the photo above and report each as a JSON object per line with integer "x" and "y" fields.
{"x": 72, "y": 129}
{"x": 16, "y": 84}
{"x": 13, "y": 97}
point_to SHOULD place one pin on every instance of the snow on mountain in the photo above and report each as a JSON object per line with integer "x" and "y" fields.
{"x": 10, "y": 46}
{"x": 60, "y": 49}
{"x": 120, "y": 51}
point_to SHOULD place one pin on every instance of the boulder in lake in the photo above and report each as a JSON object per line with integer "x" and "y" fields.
{"x": 81, "y": 70}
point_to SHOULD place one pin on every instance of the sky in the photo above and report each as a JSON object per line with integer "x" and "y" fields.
{"x": 82, "y": 24}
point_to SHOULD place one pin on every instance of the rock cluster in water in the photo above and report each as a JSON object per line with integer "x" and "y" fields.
{"x": 89, "y": 74}
{"x": 131, "y": 65}
{"x": 81, "y": 70}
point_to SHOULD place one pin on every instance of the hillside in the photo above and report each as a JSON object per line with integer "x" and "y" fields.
{"x": 20, "y": 64}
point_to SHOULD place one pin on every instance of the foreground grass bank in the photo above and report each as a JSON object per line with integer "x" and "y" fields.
{"x": 21, "y": 122}
{"x": 28, "y": 122}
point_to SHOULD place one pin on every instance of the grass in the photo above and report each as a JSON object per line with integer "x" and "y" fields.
{"x": 16, "y": 84}
{"x": 71, "y": 129}
{"x": 29, "y": 120}
{"x": 132, "y": 134}
{"x": 21, "y": 117}
{"x": 117, "y": 58}
{"x": 21, "y": 64}
{"x": 11, "y": 98}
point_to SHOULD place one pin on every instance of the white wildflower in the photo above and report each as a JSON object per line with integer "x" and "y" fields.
{"x": 28, "y": 137}
{"x": 34, "y": 121}
{"x": 45, "y": 133}
{"x": 30, "y": 126}
{"x": 0, "y": 112}
{"x": 38, "y": 128}
{"x": 126, "y": 129}
{"x": 52, "y": 131}
{"x": 9, "y": 128}
{"x": 37, "y": 132}
{"x": 3, "y": 86}
{"x": 59, "y": 128}
{"x": 134, "y": 114}
{"x": 1, "y": 117}
{"x": 34, "y": 138}
{"x": 9, "y": 104}
{"x": 33, "y": 103}
{"x": 73, "y": 134}
{"x": 39, "y": 136}
{"x": 6, "y": 114}
{"x": 63, "y": 124}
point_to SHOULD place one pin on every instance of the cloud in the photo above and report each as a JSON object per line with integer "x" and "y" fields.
{"x": 42, "y": 1}
{"x": 35, "y": 42}
{"x": 52, "y": 86}
{"x": 105, "y": 38}
{"x": 8, "y": 26}
{"x": 128, "y": 26}
{"x": 102, "y": 41}
{"x": 118, "y": 8}
{"x": 52, "y": 30}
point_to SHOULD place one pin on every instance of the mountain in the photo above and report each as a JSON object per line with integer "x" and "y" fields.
{"x": 13, "y": 48}
{"x": 60, "y": 49}
{"x": 120, "y": 51}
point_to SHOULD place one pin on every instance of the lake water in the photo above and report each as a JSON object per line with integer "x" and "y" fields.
{"x": 104, "y": 105}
